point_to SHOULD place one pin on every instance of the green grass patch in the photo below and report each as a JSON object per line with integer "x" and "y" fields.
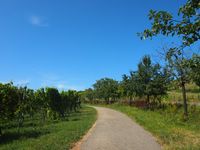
{"x": 59, "y": 134}
{"x": 168, "y": 125}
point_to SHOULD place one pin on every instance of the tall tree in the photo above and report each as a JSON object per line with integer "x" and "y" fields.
{"x": 65, "y": 103}
{"x": 24, "y": 104}
{"x": 130, "y": 85}
{"x": 152, "y": 80}
{"x": 54, "y": 100}
{"x": 195, "y": 68}
{"x": 186, "y": 27}
{"x": 89, "y": 94}
{"x": 41, "y": 102}
{"x": 74, "y": 99}
{"x": 106, "y": 89}
{"x": 8, "y": 102}
{"x": 178, "y": 65}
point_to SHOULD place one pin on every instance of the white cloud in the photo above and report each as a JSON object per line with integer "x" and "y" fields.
{"x": 38, "y": 21}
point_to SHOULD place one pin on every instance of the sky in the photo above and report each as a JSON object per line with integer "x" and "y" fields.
{"x": 69, "y": 44}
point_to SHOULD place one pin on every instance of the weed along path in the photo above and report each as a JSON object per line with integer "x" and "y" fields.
{"x": 115, "y": 131}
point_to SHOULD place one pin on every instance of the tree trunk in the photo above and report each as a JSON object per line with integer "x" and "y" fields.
{"x": 107, "y": 100}
{"x": 0, "y": 132}
{"x": 148, "y": 101}
{"x": 184, "y": 99}
{"x": 130, "y": 100}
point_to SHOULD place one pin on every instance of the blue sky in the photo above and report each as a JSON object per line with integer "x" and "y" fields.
{"x": 70, "y": 44}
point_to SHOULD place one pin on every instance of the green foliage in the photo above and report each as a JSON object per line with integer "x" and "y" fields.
{"x": 195, "y": 69}
{"x": 8, "y": 100}
{"x": 187, "y": 27}
{"x": 54, "y": 99}
{"x": 18, "y": 103}
{"x": 41, "y": 103}
{"x": 106, "y": 89}
{"x": 74, "y": 100}
{"x": 89, "y": 95}
{"x": 178, "y": 64}
{"x": 53, "y": 135}
{"x": 130, "y": 84}
{"x": 152, "y": 80}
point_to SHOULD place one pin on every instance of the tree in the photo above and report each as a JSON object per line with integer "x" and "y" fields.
{"x": 145, "y": 73}
{"x": 89, "y": 94}
{"x": 74, "y": 99}
{"x": 41, "y": 102}
{"x": 65, "y": 102}
{"x": 179, "y": 70}
{"x": 24, "y": 107}
{"x": 130, "y": 85}
{"x": 152, "y": 81}
{"x": 8, "y": 102}
{"x": 186, "y": 27}
{"x": 54, "y": 100}
{"x": 160, "y": 80}
{"x": 195, "y": 68}
{"x": 106, "y": 89}
{"x": 30, "y": 100}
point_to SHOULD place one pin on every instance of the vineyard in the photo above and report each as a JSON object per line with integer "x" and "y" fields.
{"x": 48, "y": 116}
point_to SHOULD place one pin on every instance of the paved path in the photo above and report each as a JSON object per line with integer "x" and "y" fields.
{"x": 116, "y": 131}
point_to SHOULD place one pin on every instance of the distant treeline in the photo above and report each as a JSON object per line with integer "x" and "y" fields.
{"x": 149, "y": 81}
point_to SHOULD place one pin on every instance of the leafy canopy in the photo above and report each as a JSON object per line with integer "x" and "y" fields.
{"x": 187, "y": 26}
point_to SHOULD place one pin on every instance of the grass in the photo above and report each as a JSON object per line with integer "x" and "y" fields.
{"x": 60, "y": 134}
{"x": 177, "y": 96}
{"x": 168, "y": 125}
{"x": 192, "y": 92}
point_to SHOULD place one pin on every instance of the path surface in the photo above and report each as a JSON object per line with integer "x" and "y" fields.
{"x": 116, "y": 131}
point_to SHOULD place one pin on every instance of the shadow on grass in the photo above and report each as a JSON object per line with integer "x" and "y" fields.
{"x": 15, "y": 125}
{"x": 75, "y": 119}
{"x": 11, "y": 136}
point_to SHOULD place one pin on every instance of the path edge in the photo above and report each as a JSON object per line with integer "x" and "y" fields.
{"x": 77, "y": 145}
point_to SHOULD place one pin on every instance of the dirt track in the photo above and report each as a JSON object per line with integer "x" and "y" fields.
{"x": 115, "y": 131}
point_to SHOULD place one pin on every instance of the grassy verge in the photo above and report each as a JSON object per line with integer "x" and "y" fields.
{"x": 53, "y": 135}
{"x": 193, "y": 93}
{"x": 177, "y": 96}
{"x": 168, "y": 125}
